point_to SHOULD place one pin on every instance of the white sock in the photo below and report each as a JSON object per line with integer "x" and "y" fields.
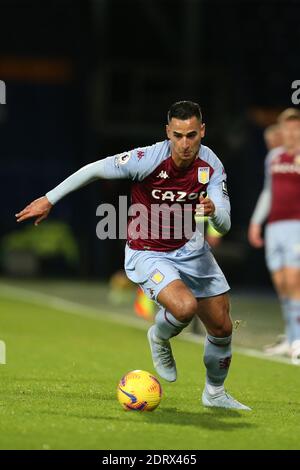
{"x": 214, "y": 389}
{"x": 167, "y": 326}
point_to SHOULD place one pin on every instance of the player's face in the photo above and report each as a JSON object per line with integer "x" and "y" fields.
{"x": 290, "y": 134}
{"x": 185, "y": 137}
{"x": 273, "y": 140}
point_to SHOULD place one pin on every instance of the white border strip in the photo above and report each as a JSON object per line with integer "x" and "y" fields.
{"x": 74, "y": 308}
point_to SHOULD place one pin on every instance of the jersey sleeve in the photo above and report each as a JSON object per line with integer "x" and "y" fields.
{"x": 135, "y": 165}
{"x": 218, "y": 193}
{"x": 217, "y": 187}
{"x": 263, "y": 205}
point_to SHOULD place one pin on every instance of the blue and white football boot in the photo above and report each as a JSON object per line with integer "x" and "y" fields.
{"x": 222, "y": 400}
{"x": 162, "y": 356}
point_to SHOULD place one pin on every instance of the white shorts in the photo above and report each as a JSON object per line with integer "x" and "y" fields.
{"x": 283, "y": 244}
{"x": 154, "y": 270}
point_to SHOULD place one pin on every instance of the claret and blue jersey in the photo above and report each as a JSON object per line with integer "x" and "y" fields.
{"x": 283, "y": 181}
{"x": 157, "y": 180}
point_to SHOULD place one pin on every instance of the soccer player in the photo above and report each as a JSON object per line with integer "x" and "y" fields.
{"x": 179, "y": 273}
{"x": 279, "y": 201}
{"x": 272, "y": 136}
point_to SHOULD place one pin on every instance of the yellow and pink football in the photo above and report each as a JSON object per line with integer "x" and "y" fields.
{"x": 139, "y": 390}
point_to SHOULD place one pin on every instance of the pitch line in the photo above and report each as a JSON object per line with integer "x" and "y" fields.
{"x": 75, "y": 308}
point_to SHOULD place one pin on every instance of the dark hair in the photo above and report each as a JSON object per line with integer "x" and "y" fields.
{"x": 184, "y": 110}
{"x": 289, "y": 114}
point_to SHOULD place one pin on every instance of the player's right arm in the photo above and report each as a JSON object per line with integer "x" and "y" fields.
{"x": 260, "y": 214}
{"x": 128, "y": 165}
{"x": 39, "y": 208}
{"x": 115, "y": 167}
{"x": 261, "y": 210}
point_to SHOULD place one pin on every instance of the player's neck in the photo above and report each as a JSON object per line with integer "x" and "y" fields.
{"x": 182, "y": 163}
{"x": 292, "y": 149}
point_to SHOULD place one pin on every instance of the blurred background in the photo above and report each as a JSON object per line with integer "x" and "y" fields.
{"x": 90, "y": 78}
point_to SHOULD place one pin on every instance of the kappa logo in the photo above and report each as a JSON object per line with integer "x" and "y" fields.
{"x": 163, "y": 174}
{"x": 151, "y": 293}
{"x": 140, "y": 154}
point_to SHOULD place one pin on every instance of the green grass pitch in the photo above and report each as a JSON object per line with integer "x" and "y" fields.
{"x": 58, "y": 390}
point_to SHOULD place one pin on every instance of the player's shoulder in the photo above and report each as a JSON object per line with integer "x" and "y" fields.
{"x": 150, "y": 157}
{"x": 154, "y": 150}
{"x": 206, "y": 154}
{"x": 272, "y": 154}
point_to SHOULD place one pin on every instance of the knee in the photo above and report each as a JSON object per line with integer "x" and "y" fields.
{"x": 223, "y": 326}
{"x": 223, "y": 330}
{"x": 293, "y": 287}
{"x": 186, "y": 309}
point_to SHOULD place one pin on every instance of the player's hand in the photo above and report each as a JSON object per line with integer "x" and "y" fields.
{"x": 39, "y": 208}
{"x": 205, "y": 207}
{"x": 255, "y": 236}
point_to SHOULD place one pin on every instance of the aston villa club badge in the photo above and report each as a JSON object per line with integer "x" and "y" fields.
{"x": 203, "y": 175}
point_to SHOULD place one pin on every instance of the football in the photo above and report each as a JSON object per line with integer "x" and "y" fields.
{"x": 139, "y": 390}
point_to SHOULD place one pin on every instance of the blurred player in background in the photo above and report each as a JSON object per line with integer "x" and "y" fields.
{"x": 279, "y": 202}
{"x": 178, "y": 272}
{"x": 272, "y": 136}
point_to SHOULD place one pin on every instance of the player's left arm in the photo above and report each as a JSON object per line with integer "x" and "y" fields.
{"x": 217, "y": 205}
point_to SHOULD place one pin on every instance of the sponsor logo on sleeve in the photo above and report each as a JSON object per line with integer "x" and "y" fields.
{"x": 224, "y": 189}
{"x": 122, "y": 159}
